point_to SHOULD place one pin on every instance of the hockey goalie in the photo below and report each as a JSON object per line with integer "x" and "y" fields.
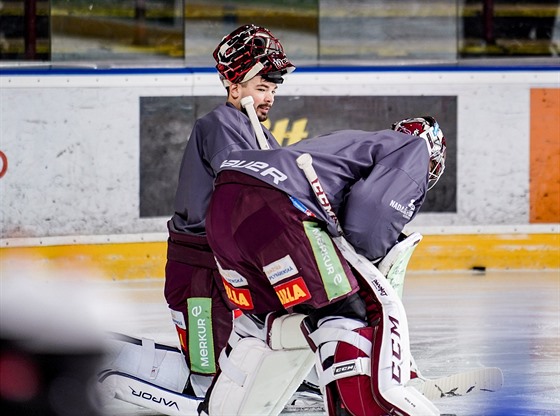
{"x": 296, "y": 243}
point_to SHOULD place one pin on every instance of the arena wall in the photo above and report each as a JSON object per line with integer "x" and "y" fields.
{"x": 89, "y": 158}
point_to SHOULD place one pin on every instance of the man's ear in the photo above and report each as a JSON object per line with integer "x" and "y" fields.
{"x": 235, "y": 91}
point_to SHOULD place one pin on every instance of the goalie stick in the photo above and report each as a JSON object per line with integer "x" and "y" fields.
{"x": 247, "y": 104}
{"x": 470, "y": 382}
{"x": 305, "y": 163}
{"x": 478, "y": 380}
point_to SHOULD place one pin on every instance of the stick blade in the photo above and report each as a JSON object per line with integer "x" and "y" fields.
{"x": 487, "y": 379}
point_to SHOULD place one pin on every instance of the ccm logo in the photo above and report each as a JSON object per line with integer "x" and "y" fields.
{"x": 346, "y": 368}
{"x": 396, "y": 349}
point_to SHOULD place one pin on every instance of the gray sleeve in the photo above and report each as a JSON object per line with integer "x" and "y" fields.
{"x": 231, "y": 131}
{"x": 213, "y": 138}
{"x": 378, "y": 207}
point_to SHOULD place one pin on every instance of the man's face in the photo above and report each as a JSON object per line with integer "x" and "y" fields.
{"x": 263, "y": 93}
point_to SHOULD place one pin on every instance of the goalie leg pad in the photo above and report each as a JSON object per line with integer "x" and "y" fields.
{"x": 371, "y": 364}
{"x": 285, "y": 332}
{"x": 344, "y": 349}
{"x": 355, "y": 390}
{"x": 255, "y": 379}
{"x": 158, "y": 364}
{"x": 142, "y": 393}
{"x": 359, "y": 392}
{"x": 393, "y": 265}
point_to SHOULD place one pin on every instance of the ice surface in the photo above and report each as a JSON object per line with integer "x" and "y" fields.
{"x": 457, "y": 321}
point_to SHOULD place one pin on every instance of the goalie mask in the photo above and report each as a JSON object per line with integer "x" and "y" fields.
{"x": 250, "y": 51}
{"x": 427, "y": 128}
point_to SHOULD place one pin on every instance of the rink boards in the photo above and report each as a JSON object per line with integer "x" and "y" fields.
{"x": 122, "y": 257}
{"x": 85, "y": 182}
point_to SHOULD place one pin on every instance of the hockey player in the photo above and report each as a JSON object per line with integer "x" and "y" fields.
{"x": 251, "y": 63}
{"x": 293, "y": 253}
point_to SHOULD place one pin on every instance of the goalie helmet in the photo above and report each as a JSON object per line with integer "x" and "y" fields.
{"x": 428, "y": 128}
{"x": 249, "y": 51}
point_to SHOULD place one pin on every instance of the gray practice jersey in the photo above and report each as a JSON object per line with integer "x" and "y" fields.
{"x": 375, "y": 181}
{"x": 213, "y": 137}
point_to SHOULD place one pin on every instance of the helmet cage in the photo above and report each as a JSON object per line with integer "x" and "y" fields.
{"x": 427, "y": 128}
{"x": 250, "y": 51}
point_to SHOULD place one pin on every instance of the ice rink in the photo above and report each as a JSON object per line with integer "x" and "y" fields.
{"x": 458, "y": 321}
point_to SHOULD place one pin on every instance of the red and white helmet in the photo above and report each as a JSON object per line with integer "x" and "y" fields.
{"x": 249, "y": 51}
{"x": 428, "y": 128}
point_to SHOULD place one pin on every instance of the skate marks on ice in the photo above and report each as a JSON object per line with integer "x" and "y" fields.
{"x": 458, "y": 322}
{"x": 464, "y": 321}
{"x": 481, "y": 380}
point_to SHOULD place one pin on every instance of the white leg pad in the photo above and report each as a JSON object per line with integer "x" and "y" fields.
{"x": 160, "y": 365}
{"x": 256, "y": 380}
{"x": 393, "y": 265}
{"x": 285, "y": 333}
{"x": 141, "y": 393}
